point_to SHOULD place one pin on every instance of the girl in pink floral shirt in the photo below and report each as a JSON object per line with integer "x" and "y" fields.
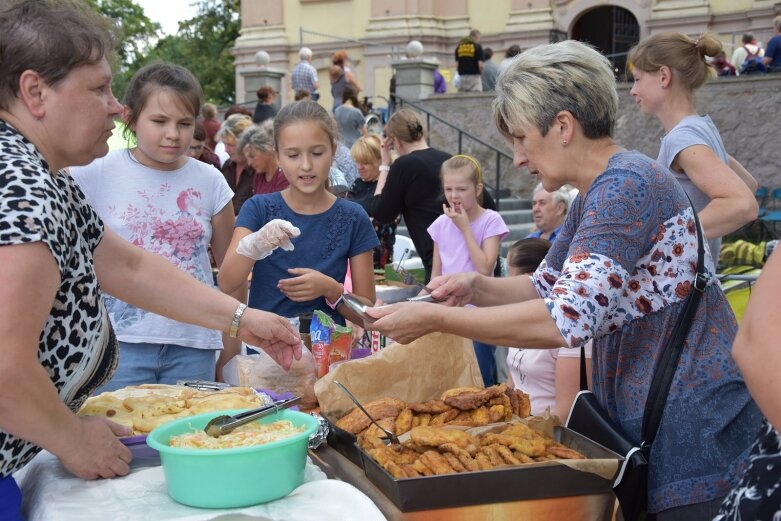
{"x": 165, "y": 202}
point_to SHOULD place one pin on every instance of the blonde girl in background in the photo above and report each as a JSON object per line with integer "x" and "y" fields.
{"x": 467, "y": 237}
{"x": 300, "y": 265}
{"x": 366, "y": 154}
{"x": 668, "y": 68}
{"x": 165, "y": 202}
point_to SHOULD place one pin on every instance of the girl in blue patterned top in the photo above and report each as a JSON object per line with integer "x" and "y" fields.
{"x": 332, "y": 230}
{"x": 619, "y": 273}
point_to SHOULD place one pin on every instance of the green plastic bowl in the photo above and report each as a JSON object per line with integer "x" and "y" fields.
{"x": 231, "y": 478}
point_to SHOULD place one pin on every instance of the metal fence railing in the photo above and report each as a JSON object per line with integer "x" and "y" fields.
{"x": 463, "y": 135}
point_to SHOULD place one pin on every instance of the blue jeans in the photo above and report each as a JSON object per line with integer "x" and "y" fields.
{"x": 10, "y": 500}
{"x": 160, "y": 364}
{"x": 486, "y": 361}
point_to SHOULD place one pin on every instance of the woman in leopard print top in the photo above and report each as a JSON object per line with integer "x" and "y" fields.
{"x": 57, "y": 110}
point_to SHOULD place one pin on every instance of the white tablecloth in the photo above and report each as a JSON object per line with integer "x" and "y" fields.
{"x": 51, "y": 493}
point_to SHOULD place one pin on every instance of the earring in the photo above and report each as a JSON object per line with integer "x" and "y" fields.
{"x": 564, "y": 142}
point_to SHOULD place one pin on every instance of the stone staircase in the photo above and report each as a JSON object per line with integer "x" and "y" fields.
{"x": 517, "y": 214}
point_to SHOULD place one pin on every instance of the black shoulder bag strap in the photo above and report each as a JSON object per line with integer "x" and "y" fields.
{"x": 668, "y": 361}
{"x": 671, "y": 353}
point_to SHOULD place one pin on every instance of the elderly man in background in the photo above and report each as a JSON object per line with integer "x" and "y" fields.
{"x": 304, "y": 75}
{"x": 549, "y": 210}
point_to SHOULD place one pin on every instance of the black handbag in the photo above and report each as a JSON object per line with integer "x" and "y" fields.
{"x": 590, "y": 419}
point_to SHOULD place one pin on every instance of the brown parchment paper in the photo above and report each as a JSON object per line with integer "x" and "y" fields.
{"x": 415, "y": 372}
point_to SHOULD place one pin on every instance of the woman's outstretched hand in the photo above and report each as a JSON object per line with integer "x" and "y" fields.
{"x": 453, "y": 290}
{"x": 272, "y": 333}
{"x": 405, "y": 321}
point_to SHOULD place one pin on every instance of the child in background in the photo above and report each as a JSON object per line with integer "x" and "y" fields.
{"x": 467, "y": 237}
{"x": 165, "y": 202}
{"x": 551, "y": 377}
{"x": 309, "y": 273}
{"x": 200, "y": 150}
{"x": 668, "y": 68}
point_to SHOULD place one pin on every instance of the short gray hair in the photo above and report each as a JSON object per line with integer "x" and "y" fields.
{"x": 259, "y": 137}
{"x": 305, "y": 53}
{"x": 562, "y": 195}
{"x": 544, "y": 80}
{"x": 234, "y": 126}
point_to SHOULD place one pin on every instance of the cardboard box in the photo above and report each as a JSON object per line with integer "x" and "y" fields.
{"x": 533, "y": 481}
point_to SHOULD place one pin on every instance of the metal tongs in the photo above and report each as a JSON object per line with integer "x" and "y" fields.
{"x": 359, "y": 308}
{"x": 389, "y": 436}
{"x": 223, "y": 424}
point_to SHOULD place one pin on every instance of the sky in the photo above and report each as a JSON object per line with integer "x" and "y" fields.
{"x": 168, "y": 13}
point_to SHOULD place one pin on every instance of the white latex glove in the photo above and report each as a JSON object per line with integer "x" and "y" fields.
{"x": 275, "y": 234}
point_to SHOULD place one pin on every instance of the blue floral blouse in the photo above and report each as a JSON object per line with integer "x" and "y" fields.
{"x": 619, "y": 273}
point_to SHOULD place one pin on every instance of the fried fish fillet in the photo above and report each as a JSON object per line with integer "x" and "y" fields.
{"x": 436, "y": 462}
{"x": 404, "y": 421}
{"x": 355, "y": 421}
{"x": 430, "y": 407}
{"x": 434, "y": 437}
{"x": 468, "y": 398}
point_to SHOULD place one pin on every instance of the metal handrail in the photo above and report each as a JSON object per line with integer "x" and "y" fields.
{"x": 461, "y": 134}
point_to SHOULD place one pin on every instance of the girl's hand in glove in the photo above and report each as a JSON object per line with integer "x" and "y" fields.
{"x": 275, "y": 234}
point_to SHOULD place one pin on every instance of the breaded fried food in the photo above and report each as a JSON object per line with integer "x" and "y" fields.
{"x": 521, "y": 404}
{"x": 369, "y": 442}
{"x": 463, "y": 456}
{"x": 496, "y": 413}
{"x": 421, "y": 468}
{"x": 483, "y": 461}
{"x": 560, "y": 451}
{"x": 434, "y": 437}
{"x": 430, "y": 407}
{"x": 452, "y": 459}
{"x": 423, "y": 419}
{"x": 436, "y": 462}
{"x": 523, "y": 458}
{"x": 532, "y": 447}
{"x": 468, "y": 398}
{"x": 388, "y": 424}
{"x": 444, "y": 417}
{"x": 507, "y": 455}
{"x": 355, "y": 421}
{"x": 404, "y": 421}
{"x": 410, "y": 471}
{"x": 479, "y": 416}
{"x": 493, "y": 455}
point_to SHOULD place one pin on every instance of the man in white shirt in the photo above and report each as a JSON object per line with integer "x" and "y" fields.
{"x": 749, "y": 47}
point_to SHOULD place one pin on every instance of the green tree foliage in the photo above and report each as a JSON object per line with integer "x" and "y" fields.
{"x": 202, "y": 44}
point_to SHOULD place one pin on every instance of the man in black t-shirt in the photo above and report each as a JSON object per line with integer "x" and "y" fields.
{"x": 469, "y": 56}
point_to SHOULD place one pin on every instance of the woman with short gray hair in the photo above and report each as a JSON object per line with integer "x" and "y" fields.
{"x": 257, "y": 145}
{"x": 619, "y": 273}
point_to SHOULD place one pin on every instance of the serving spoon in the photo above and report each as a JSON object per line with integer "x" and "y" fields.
{"x": 223, "y": 424}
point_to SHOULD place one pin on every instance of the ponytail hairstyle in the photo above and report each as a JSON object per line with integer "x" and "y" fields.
{"x": 460, "y": 161}
{"x": 684, "y": 55}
